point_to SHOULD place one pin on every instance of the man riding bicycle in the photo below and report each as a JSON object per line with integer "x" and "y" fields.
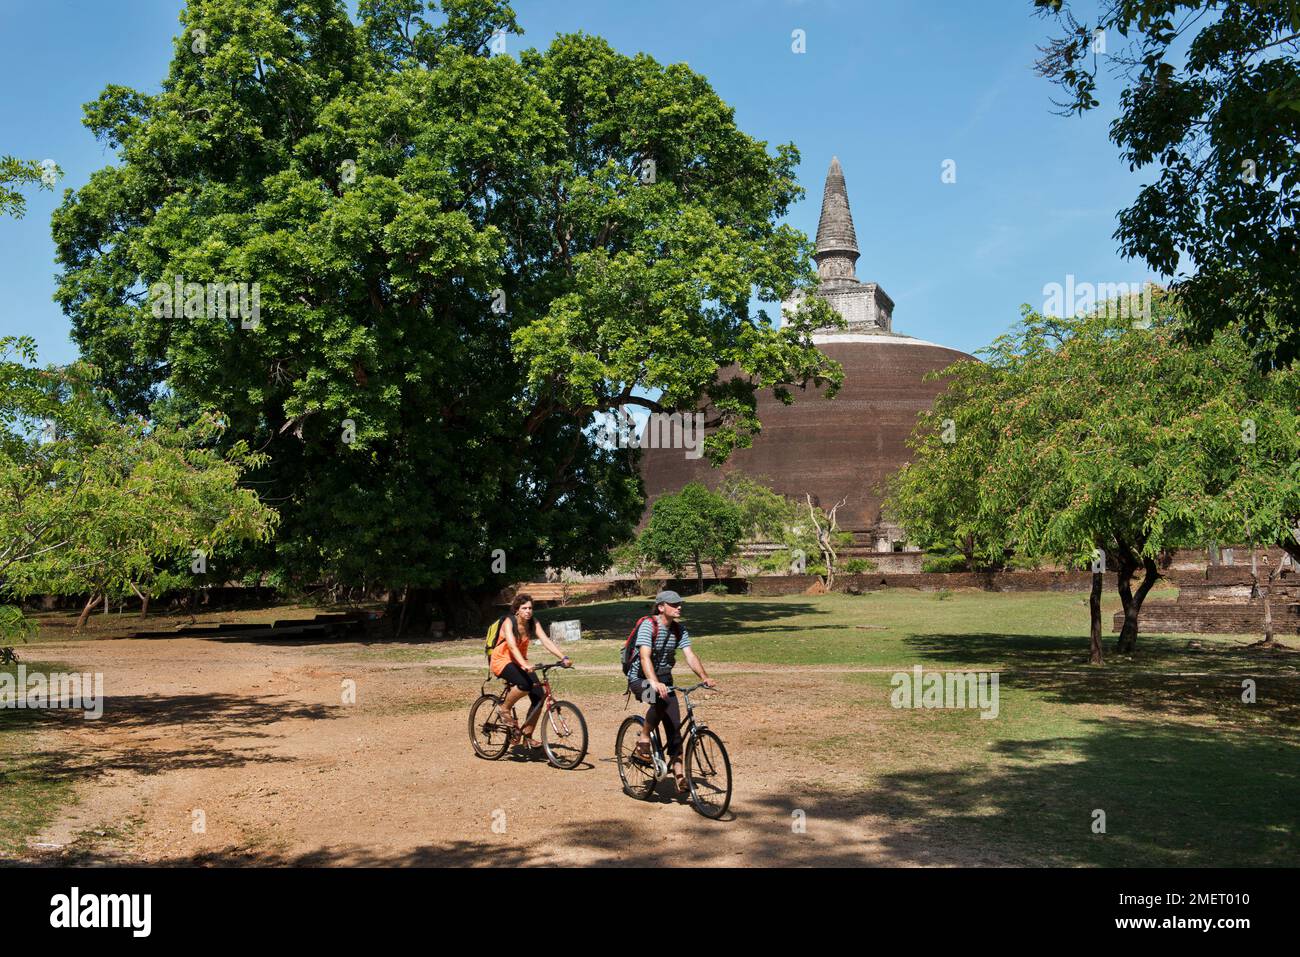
{"x": 651, "y": 673}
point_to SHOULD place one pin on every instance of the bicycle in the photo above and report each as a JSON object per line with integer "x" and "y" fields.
{"x": 708, "y": 769}
{"x": 564, "y": 729}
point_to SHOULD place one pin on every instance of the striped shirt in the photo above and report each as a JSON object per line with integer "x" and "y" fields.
{"x": 663, "y": 652}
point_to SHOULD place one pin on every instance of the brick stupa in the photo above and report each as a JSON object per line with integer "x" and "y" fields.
{"x": 844, "y": 448}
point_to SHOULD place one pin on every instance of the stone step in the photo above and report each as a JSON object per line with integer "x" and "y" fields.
{"x": 553, "y": 591}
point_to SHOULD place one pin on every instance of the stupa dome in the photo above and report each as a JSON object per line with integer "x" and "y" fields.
{"x": 845, "y": 447}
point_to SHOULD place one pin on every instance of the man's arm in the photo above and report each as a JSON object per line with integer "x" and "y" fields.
{"x": 697, "y": 666}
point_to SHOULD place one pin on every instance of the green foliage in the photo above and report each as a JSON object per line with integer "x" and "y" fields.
{"x": 91, "y": 504}
{"x": 13, "y": 624}
{"x": 857, "y": 566}
{"x": 462, "y": 256}
{"x": 764, "y": 514}
{"x": 773, "y": 518}
{"x": 944, "y": 560}
{"x": 691, "y": 528}
{"x": 1213, "y": 102}
{"x": 720, "y": 590}
{"x": 19, "y": 172}
{"x": 1088, "y": 433}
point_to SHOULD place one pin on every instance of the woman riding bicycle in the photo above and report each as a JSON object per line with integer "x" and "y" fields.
{"x": 510, "y": 661}
{"x": 651, "y": 674}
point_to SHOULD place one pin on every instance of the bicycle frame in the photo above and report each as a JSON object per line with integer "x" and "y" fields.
{"x": 689, "y": 728}
{"x": 547, "y": 703}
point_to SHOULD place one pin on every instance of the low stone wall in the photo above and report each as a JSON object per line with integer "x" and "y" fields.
{"x": 1211, "y": 618}
{"x": 1011, "y": 581}
{"x": 772, "y": 585}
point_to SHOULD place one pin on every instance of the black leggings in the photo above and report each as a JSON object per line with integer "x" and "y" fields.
{"x": 663, "y": 710}
{"x": 524, "y": 681}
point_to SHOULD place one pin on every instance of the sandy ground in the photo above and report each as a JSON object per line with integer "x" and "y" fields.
{"x": 243, "y": 752}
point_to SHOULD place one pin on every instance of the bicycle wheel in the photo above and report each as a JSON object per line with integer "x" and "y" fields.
{"x": 564, "y": 735}
{"x": 490, "y": 737}
{"x": 708, "y": 774}
{"x": 638, "y": 778}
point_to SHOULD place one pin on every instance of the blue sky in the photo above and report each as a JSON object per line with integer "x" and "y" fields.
{"x": 893, "y": 87}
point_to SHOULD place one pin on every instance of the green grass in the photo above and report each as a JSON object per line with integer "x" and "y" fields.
{"x": 1209, "y": 783}
{"x": 1186, "y": 772}
{"x": 900, "y": 628}
{"x": 31, "y": 790}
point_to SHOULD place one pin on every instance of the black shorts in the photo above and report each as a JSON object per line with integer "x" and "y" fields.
{"x": 523, "y": 680}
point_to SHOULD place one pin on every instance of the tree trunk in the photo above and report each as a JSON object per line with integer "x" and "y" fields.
{"x": 699, "y": 576}
{"x": 401, "y": 620}
{"x": 91, "y": 602}
{"x": 1127, "y": 643}
{"x": 1268, "y": 610}
{"x": 1094, "y": 614}
{"x": 459, "y": 609}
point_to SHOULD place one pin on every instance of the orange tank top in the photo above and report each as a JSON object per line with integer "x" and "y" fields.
{"x": 501, "y": 653}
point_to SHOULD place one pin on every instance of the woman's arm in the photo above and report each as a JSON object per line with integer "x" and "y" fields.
{"x": 549, "y": 645}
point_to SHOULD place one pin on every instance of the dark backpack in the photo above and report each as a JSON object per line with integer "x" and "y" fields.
{"x": 629, "y": 646}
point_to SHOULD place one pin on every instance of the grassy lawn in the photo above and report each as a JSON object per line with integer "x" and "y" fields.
{"x": 30, "y": 793}
{"x": 1162, "y": 743}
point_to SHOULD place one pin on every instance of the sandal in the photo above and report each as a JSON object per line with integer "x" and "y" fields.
{"x": 642, "y": 754}
{"x": 509, "y": 722}
{"x": 680, "y": 778}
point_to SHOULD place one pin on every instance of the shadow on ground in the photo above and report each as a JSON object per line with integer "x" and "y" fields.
{"x": 1164, "y": 679}
{"x": 613, "y": 619}
{"x": 196, "y": 722}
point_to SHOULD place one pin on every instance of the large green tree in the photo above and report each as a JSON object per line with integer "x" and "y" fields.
{"x": 1088, "y": 437}
{"x": 1210, "y": 105}
{"x": 461, "y": 255}
{"x": 692, "y": 527}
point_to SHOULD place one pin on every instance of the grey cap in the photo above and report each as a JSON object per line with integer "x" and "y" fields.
{"x": 667, "y": 597}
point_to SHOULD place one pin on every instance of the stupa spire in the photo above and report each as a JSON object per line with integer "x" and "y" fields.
{"x": 837, "y": 242}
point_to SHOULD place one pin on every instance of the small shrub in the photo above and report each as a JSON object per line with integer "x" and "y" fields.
{"x": 944, "y": 562}
{"x": 719, "y": 589}
{"x": 942, "y": 594}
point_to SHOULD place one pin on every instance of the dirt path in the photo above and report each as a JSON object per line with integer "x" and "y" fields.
{"x": 229, "y": 751}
